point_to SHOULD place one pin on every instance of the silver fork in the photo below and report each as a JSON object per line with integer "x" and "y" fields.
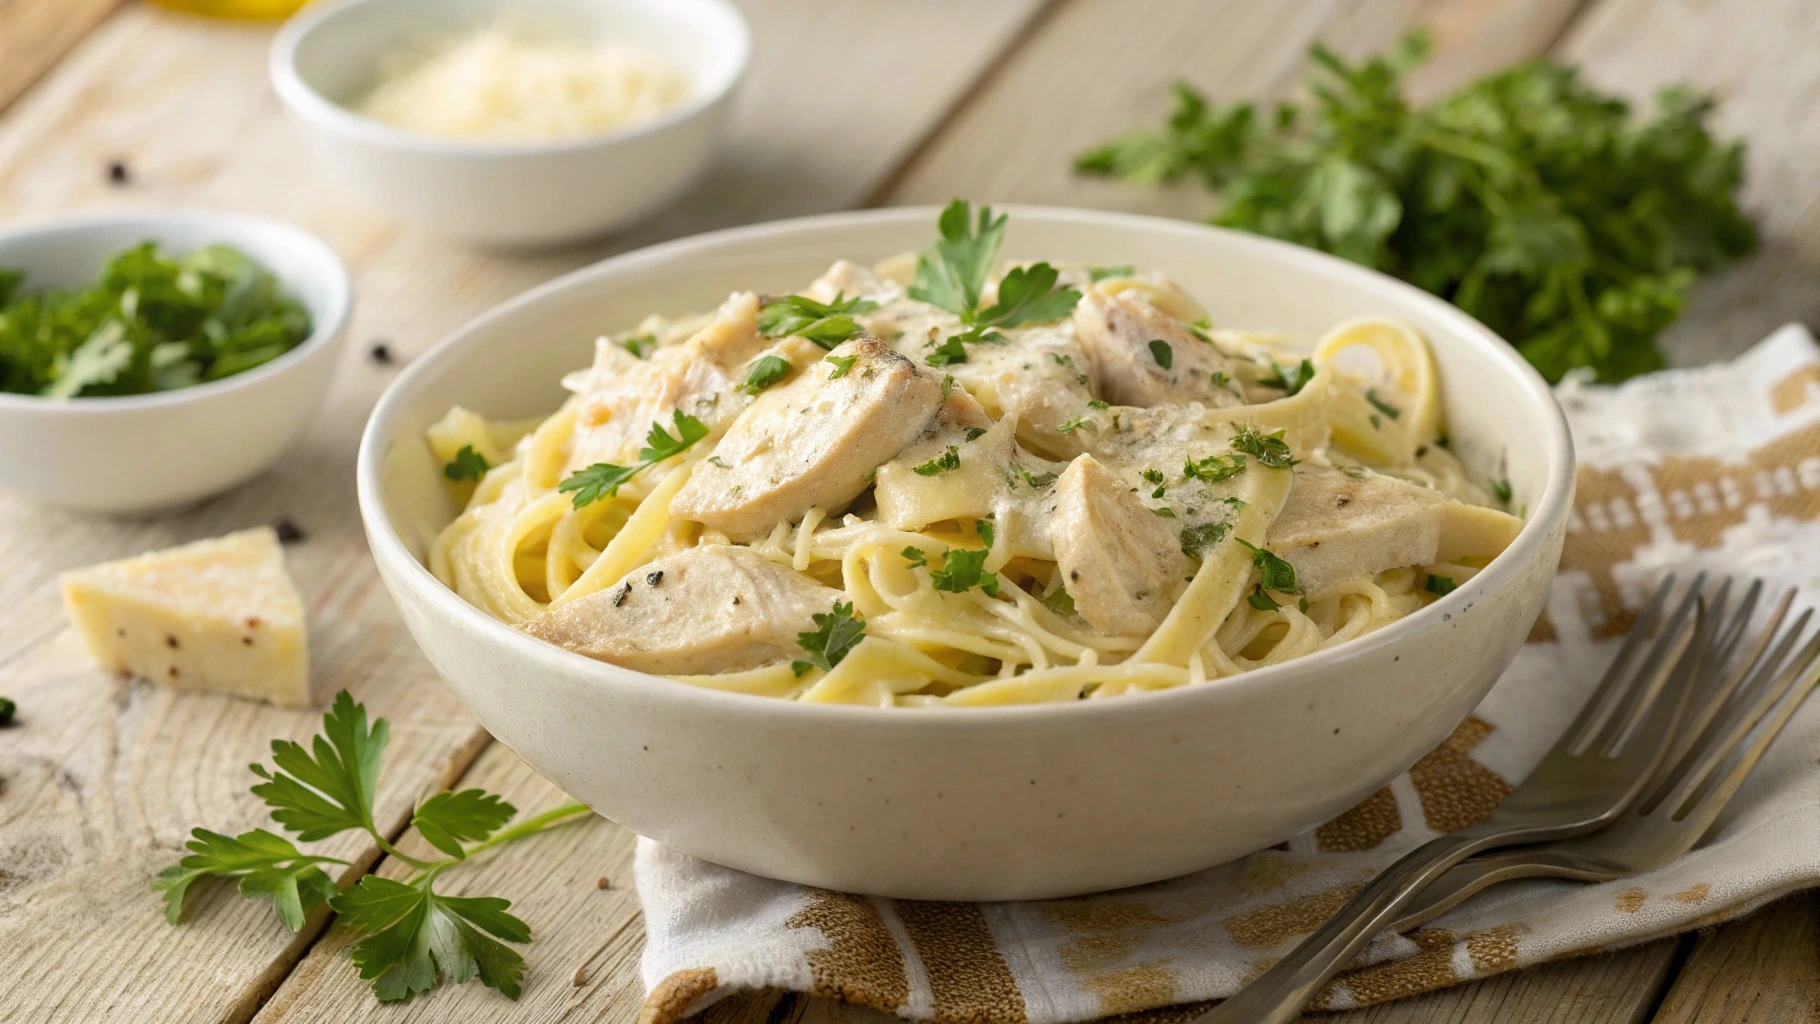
{"x": 1592, "y": 773}
{"x": 1759, "y": 693}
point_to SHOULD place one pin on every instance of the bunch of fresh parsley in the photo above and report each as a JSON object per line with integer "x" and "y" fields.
{"x": 1529, "y": 199}
{"x": 152, "y": 323}
{"x": 411, "y": 936}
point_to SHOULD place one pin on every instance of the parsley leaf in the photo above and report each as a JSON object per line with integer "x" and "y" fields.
{"x": 963, "y": 569}
{"x": 945, "y": 462}
{"x": 764, "y": 373}
{"x": 1269, "y": 449}
{"x": 842, "y": 364}
{"x": 1275, "y": 574}
{"x": 1291, "y": 380}
{"x": 1035, "y": 481}
{"x": 1161, "y": 351}
{"x": 825, "y": 323}
{"x": 914, "y": 557}
{"x": 603, "y": 479}
{"x": 447, "y": 820}
{"x": 1058, "y": 601}
{"x": 951, "y": 274}
{"x": 1440, "y": 585}
{"x": 417, "y": 937}
{"x": 1500, "y": 489}
{"x": 329, "y": 787}
{"x": 266, "y": 864}
{"x": 984, "y": 526}
{"x": 1533, "y": 201}
{"x": 1097, "y": 274}
{"x": 1371, "y": 395}
{"x": 836, "y": 633}
{"x": 947, "y": 353}
{"x": 1214, "y": 468}
{"x": 640, "y": 345}
{"x": 1196, "y": 540}
{"x": 468, "y": 464}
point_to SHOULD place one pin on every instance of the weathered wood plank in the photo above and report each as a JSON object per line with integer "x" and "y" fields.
{"x": 583, "y": 957}
{"x": 1763, "y": 61}
{"x": 34, "y": 35}
{"x": 1763, "y": 968}
{"x": 102, "y": 780}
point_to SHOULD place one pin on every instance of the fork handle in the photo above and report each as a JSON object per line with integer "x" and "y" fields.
{"x": 1279, "y": 994}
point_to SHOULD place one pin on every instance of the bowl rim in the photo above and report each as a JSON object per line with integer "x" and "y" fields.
{"x": 1548, "y": 512}
{"x": 324, "y": 328}
{"x": 305, "y": 100}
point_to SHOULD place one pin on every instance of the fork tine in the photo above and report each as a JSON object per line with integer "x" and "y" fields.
{"x": 1768, "y": 686}
{"x": 1616, "y": 680}
{"x": 1662, "y": 663}
{"x": 1694, "y": 731}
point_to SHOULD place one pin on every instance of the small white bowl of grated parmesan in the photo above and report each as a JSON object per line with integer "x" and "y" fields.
{"x": 514, "y": 122}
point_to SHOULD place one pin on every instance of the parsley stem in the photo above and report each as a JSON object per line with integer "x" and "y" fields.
{"x": 393, "y": 851}
{"x": 532, "y": 826}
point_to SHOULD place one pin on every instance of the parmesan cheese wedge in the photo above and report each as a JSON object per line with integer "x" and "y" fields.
{"x": 219, "y": 614}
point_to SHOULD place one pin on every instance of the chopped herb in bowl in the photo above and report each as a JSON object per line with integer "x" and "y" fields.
{"x": 153, "y": 322}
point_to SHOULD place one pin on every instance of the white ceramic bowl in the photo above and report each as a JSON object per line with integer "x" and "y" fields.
{"x": 511, "y": 193}
{"x": 141, "y": 453}
{"x": 986, "y": 803}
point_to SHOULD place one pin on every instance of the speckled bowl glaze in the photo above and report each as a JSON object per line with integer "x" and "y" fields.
{"x": 989, "y": 803}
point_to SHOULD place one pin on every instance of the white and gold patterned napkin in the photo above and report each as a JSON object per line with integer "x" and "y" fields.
{"x": 1715, "y": 468}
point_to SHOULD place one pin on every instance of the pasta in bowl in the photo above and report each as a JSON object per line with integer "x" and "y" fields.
{"x": 941, "y": 482}
{"x": 1035, "y": 793}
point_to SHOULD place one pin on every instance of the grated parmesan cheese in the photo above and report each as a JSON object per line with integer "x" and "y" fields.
{"x": 499, "y": 86}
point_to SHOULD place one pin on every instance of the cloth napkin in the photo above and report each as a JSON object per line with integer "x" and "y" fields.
{"x": 1715, "y": 468}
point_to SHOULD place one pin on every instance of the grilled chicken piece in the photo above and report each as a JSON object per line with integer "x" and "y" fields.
{"x": 1120, "y": 334}
{"x": 813, "y": 442}
{"x": 706, "y": 609}
{"x": 1120, "y": 562}
{"x": 1334, "y": 525}
{"x": 700, "y": 377}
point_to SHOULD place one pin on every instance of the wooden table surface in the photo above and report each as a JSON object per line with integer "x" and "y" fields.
{"x": 849, "y": 104}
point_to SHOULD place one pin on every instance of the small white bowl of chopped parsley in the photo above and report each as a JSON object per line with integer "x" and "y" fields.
{"x": 152, "y": 359}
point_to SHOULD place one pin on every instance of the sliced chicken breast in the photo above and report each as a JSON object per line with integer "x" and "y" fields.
{"x": 1121, "y": 563}
{"x": 706, "y": 609}
{"x": 1138, "y": 355}
{"x": 813, "y": 442}
{"x": 1335, "y": 525}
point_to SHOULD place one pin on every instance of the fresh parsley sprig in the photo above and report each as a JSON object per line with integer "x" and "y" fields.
{"x": 1533, "y": 201}
{"x": 467, "y": 464}
{"x": 1274, "y": 574}
{"x": 1269, "y": 449}
{"x": 963, "y": 569}
{"x": 951, "y": 274}
{"x": 411, "y": 936}
{"x": 603, "y": 479}
{"x": 825, "y": 323}
{"x": 837, "y": 632}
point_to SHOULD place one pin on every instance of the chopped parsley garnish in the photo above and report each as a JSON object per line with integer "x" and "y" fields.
{"x": 1035, "y": 481}
{"x": 764, "y": 373}
{"x": 1269, "y": 449}
{"x": 825, "y": 323}
{"x": 1275, "y": 574}
{"x": 963, "y": 569}
{"x": 1196, "y": 540}
{"x": 837, "y": 632}
{"x": 1162, "y": 353}
{"x": 975, "y": 433}
{"x": 984, "y": 526}
{"x": 603, "y": 479}
{"x": 1261, "y": 601}
{"x": 947, "y": 385}
{"x": 1371, "y": 395}
{"x": 951, "y": 274}
{"x": 1200, "y": 328}
{"x": 1113, "y": 270}
{"x": 468, "y": 464}
{"x": 1500, "y": 489}
{"x": 1062, "y": 360}
{"x": 1154, "y": 476}
{"x": 640, "y": 345}
{"x": 842, "y": 364}
{"x": 1214, "y": 468}
{"x": 1222, "y": 381}
{"x": 1292, "y": 380}
{"x": 945, "y": 462}
{"x": 1440, "y": 585}
{"x": 150, "y": 322}
{"x": 1097, "y": 404}
{"x": 1165, "y": 511}
{"x": 914, "y": 557}
{"x": 947, "y": 353}
{"x": 1058, "y": 601}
